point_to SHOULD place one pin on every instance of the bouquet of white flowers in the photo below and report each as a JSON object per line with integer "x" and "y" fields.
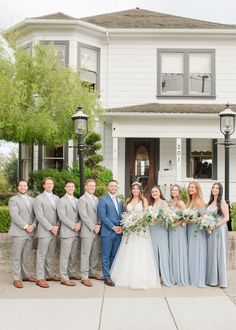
{"x": 172, "y": 219}
{"x": 208, "y": 222}
{"x": 155, "y": 216}
{"x": 188, "y": 215}
{"x": 134, "y": 222}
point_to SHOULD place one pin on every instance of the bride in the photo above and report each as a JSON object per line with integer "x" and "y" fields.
{"x": 134, "y": 265}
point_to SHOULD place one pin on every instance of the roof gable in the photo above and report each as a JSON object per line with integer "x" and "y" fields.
{"x": 57, "y": 15}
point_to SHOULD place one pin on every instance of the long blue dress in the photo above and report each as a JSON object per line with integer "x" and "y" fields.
{"x": 179, "y": 272}
{"x": 160, "y": 244}
{"x": 197, "y": 254}
{"x": 217, "y": 254}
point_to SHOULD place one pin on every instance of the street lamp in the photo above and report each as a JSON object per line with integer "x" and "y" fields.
{"x": 227, "y": 127}
{"x": 80, "y": 120}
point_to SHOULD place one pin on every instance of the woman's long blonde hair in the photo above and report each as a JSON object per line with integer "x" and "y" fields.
{"x": 180, "y": 193}
{"x": 197, "y": 197}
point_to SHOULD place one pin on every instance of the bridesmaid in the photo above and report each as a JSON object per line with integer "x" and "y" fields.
{"x": 196, "y": 239}
{"x": 217, "y": 241}
{"x": 159, "y": 235}
{"x": 179, "y": 273}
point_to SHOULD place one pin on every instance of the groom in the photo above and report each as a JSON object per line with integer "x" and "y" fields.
{"x": 110, "y": 210}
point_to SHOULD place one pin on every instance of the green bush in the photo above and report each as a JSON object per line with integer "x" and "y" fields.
{"x": 5, "y": 219}
{"x": 184, "y": 191}
{"x": 101, "y": 175}
{"x": 233, "y": 216}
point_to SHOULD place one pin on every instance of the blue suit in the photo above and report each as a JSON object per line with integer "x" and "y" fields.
{"x": 109, "y": 217}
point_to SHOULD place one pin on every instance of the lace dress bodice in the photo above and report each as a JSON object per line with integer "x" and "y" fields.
{"x": 137, "y": 208}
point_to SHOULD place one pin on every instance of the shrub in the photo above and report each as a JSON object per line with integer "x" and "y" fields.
{"x": 233, "y": 216}
{"x": 184, "y": 194}
{"x": 5, "y": 219}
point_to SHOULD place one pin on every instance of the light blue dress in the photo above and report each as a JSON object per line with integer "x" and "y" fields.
{"x": 179, "y": 273}
{"x": 160, "y": 244}
{"x": 217, "y": 254}
{"x": 197, "y": 254}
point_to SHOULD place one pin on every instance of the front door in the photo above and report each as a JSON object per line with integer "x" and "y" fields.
{"x": 142, "y": 162}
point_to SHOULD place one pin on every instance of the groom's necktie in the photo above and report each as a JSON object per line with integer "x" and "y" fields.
{"x": 115, "y": 201}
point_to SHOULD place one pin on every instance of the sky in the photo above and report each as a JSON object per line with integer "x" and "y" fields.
{"x": 14, "y": 11}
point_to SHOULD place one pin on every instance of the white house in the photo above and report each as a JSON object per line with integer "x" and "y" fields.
{"x": 163, "y": 80}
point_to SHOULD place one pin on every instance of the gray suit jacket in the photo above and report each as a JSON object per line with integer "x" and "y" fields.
{"x": 88, "y": 215}
{"x": 46, "y": 214}
{"x": 21, "y": 215}
{"x": 68, "y": 215}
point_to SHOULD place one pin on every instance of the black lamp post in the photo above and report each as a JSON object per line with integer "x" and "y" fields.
{"x": 227, "y": 127}
{"x": 80, "y": 120}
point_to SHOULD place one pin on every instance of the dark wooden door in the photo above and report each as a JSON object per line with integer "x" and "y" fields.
{"x": 141, "y": 162}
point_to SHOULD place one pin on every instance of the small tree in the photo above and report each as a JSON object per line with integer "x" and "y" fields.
{"x": 38, "y": 96}
{"x": 92, "y": 145}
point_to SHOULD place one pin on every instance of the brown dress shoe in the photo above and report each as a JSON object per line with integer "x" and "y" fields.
{"x": 75, "y": 277}
{"x": 87, "y": 283}
{"x": 18, "y": 284}
{"x": 68, "y": 283}
{"x": 96, "y": 277}
{"x": 42, "y": 284}
{"x": 53, "y": 278}
{"x": 29, "y": 279}
{"x": 109, "y": 282}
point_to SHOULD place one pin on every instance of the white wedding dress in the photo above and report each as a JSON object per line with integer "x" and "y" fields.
{"x": 134, "y": 265}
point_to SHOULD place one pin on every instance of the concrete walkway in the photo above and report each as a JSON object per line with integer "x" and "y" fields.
{"x": 104, "y": 308}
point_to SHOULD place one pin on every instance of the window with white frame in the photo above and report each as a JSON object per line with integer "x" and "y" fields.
{"x": 89, "y": 64}
{"x": 184, "y": 73}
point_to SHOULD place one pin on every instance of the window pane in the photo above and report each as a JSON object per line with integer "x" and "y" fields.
{"x": 200, "y": 63}
{"x": 88, "y": 76}
{"x": 201, "y": 158}
{"x": 88, "y": 59}
{"x": 172, "y": 83}
{"x": 53, "y": 152}
{"x": 200, "y": 84}
{"x": 60, "y": 53}
{"x": 53, "y": 163}
{"x": 172, "y": 63}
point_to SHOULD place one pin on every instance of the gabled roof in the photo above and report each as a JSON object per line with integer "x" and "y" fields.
{"x": 57, "y": 15}
{"x": 171, "y": 108}
{"x": 140, "y": 18}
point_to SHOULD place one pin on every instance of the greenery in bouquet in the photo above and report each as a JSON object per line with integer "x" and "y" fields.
{"x": 172, "y": 219}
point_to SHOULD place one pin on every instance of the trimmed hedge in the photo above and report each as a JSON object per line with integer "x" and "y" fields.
{"x": 5, "y": 220}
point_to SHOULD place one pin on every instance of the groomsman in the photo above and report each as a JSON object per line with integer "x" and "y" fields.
{"x": 22, "y": 229}
{"x": 89, "y": 234}
{"x": 67, "y": 209}
{"x": 48, "y": 225}
{"x": 110, "y": 210}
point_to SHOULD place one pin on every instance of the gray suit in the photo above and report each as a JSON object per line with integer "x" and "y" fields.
{"x": 89, "y": 240}
{"x": 46, "y": 215}
{"x": 69, "y": 216}
{"x": 22, "y": 214}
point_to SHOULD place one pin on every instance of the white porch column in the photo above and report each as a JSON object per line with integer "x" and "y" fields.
{"x": 115, "y": 157}
{"x": 178, "y": 159}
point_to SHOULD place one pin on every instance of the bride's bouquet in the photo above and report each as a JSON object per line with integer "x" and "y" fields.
{"x": 208, "y": 222}
{"x": 134, "y": 222}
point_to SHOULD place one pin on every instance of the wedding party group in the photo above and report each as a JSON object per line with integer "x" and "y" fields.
{"x": 144, "y": 243}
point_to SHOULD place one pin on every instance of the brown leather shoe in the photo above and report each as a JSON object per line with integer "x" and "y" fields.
{"x": 18, "y": 284}
{"x": 53, "y": 278}
{"x": 109, "y": 282}
{"x": 29, "y": 279}
{"x": 42, "y": 284}
{"x": 87, "y": 283}
{"x": 68, "y": 283}
{"x": 96, "y": 277}
{"x": 75, "y": 277}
